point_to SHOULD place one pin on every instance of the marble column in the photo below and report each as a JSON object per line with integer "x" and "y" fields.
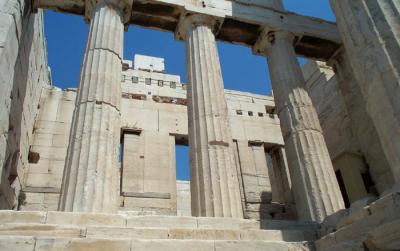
{"x": 371, "y": 37}
{"x": 315, "y": 188}
{"x": 90, "y": 182}
{"x": 214, "y": 181}
{"x": 361, "y": 122}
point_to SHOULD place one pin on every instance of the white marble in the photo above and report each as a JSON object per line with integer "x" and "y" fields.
{"x": 214, "y": 182}
{"x": 315, "y": 187}
{"x": 90, "y": 182}
{"x": 371, "y": 37}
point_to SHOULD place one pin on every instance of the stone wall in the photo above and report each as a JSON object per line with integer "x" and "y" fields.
{"x": 23, "y": 73}
{"x": 50, "y": 142}
{"x": 154, "y": 121}
{"x": 183, "y": 201}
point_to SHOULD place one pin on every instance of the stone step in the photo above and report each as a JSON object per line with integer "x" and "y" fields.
{"x": 99, "y": 244}
{"x": 126, "y": 220}
{"x": 69, "y": 231}
{"x": 92, "y": 231}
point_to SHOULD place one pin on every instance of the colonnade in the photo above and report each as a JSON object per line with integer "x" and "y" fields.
{"x": 90, "y": 175}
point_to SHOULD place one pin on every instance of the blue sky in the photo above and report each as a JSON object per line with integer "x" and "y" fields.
{"x": 66, "y": 38}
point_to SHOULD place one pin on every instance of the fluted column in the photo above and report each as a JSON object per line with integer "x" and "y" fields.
{"x": 214, "y": 182}
{"x": 315, "y": 187}
{"x": 370, "y": 31}
{"x": 90, "y": 182}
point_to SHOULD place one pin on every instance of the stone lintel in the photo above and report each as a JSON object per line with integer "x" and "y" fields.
{"x": 243, "y": 23}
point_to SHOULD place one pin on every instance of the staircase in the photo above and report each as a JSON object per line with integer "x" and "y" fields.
{"x": 44, "y": 231}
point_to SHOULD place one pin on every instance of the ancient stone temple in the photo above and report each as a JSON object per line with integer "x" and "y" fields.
{"x": 313, "y": 166}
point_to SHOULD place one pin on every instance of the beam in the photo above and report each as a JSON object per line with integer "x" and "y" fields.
{"x": 243, "y": 23}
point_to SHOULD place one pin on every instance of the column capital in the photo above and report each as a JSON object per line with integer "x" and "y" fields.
{"x": 189, "y": 20}
{"x": 336, "y": 58}
{"x": 267, "y": 38}
{"x": 125, "y": 6}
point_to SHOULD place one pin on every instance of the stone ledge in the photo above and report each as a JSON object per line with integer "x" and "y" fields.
{"x": 123, "y": 220}
{"x": 85, "y": 219}
{"x": 42, "y": 230}
{"x": 118, "y": 244}
{"x": 68, "y": 231}
{"x": 7, "y": 216}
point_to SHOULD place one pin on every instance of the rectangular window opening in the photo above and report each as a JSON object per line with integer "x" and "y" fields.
{"x": 148, "y": 81}
{"x": 182, "y": 162}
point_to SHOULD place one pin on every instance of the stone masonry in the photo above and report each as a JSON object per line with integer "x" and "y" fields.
{"x": 154, "y": 120}
{"x": 23, "y": 73}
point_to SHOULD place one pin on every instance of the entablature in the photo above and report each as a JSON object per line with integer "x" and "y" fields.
{"x": 243, "y": 22}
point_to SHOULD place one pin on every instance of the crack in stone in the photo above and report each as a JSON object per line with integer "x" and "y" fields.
{"x": 98, "y": 102}
{"x": 106, "y": 49}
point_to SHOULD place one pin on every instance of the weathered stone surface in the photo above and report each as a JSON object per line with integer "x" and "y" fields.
{"x": 129, "y": 233}
{"x": 8, "y": 243}
{"x": 82, "y": 244}
{"x": 204, "y": 234}
{"x": 177, "y": 245}
{"x": 22, "y": 217}
{"x": 371, "y": 229}
{"x": 90, "y": 178}
{"x": 85, "y": 219}
{"x": 245, "y": 21}
{"x": 315, "y": 187}
{"x": 162, "y": 221}
{"x": 214, "y": 179}
{"x": 255, "y": 245}
{"x": 149, "y": 175}
{"x": 368, "y": 139}
{"x": 43, "y": 230}
{"x": 370, "y": 32}
{"x": 23, "y": 73}
{"x": 358, "y": 211}
{"x": 278, "y": 235}
{"x": 385, "y": 237}
{"x": 221, "y": 223}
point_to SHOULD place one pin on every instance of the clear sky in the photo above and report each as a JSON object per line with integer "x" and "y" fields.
{"x": 66, "y": 38}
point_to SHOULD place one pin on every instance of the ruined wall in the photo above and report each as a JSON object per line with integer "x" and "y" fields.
{"x": 154, "y": 121}
{"x": 23, "y": 72}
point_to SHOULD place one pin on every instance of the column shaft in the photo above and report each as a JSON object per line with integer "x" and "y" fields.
{"x": 371, "y": 36}
{"x": 90, "y": 177}
{"x": 365, "y": 132}
{"x": 215, "y": 186}
{"x": 315, "y": 187}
